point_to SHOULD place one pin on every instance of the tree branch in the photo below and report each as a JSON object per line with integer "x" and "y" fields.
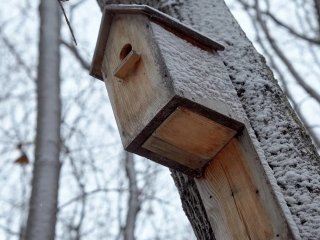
{"x": 291, "y": 30}
{"x": 76, "y": 53}
{"x": 284, "y": 59}
{"x": 65, "y": 16}
{"x": 280, "y": 23}
{"x": 317, "y": 6}
{"x": 18, "y": 58}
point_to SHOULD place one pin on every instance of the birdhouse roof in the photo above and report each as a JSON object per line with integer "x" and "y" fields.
{"x": 165, "y": 19}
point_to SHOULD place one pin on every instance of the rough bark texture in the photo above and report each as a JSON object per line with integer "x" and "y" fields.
{"x": 285, "y": 143}
{"x": 193, "y": 206}
{"x": 43, "y": 204}
{"x": 287, "y": 147}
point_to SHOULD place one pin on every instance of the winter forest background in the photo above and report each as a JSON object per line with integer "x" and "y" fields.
{"x": 97, "y": 177}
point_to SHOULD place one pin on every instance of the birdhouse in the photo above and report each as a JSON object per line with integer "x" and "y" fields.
{"x": 174, "y": 103}
{"x": 169, "y": 89}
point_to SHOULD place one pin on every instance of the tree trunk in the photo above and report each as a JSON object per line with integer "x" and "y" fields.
{"x": 43, "y": 204}
{"x": 134, "y": 203}
{"x": 286, "y": 146}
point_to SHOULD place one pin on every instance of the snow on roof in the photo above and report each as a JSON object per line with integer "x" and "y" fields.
{"x": 152, "y": 13}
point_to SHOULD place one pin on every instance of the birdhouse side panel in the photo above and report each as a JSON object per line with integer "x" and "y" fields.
{"x": 143, "y": 89}
{"x": 198, "y": 73}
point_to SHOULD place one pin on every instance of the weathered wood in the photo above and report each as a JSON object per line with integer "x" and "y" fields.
{"x": 154, "y": 90}
{"x": 197, "y": 73}
{"x": 230, "y": 190}
{"x": 165, "y": 19}
{"x": 96, "y": 65}
{"x": 189, "y": 138}
{"x": 236, "y": 194}
{"x": 257, "y": 91}
{"x": 141, "y": 95}
{"x": 151, "y": 13}
{"x": 127, "y": 64}
{"x": 173, "y": 104}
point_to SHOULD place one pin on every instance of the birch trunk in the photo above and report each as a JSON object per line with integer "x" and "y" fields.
{"x": 43, "y": 203}
{"x": 286, "y": 146}
{"x": 134, "y": 203}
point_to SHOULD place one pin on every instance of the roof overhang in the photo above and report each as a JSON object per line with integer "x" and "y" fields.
{"x": 152, "y": 13}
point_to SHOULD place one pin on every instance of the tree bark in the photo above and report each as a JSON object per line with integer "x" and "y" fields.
{"x": 43, "y": 203}
{"x": 286, "y": 146}
{"x": 134, "y": 202}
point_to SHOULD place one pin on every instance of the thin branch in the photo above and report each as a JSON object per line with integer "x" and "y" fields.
{"x": 65, "y": 16}
{"x": 317, "y": 6}
{"x": 9, "y": 231}
{"x": 86, "y": 194}
{"x": 285, "y": 88}
{"x": 76, "y": 53}
{"x": 284, "y": 59}
{"x": 280, "y": 23}
{"x": 291, "y": 30}
{"x": 18, "y": 58}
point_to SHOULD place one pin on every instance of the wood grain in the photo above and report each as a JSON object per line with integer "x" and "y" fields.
{"x": 174, "y": 153}
{"x": 141, "y": 95}
{"x": 238, "y": 212}
{"x": 189, "y": 138}
{"x": 237, "y": 195}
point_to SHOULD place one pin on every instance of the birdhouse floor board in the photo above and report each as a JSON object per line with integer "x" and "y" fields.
{"x": 189, "y": 138}
{"x": 170, "y": 151}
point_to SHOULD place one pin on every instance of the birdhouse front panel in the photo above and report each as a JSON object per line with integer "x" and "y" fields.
{"x": 139, "y": 95}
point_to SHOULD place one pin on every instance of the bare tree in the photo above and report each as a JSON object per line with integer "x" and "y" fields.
{"x": 98, "y": 189}
{"x": 97, "y": 194}
{"x": 44, "y": 197}
{"x": 301, "y": 27}
{"x": 258, "y": 91}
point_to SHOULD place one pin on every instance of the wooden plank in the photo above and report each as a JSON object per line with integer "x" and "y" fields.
{"x": 238, "y": 197}
{"x": 127, "y": 64}
{"x": 194, "y": 133}
{"x": 238, "y": 213}
{"x": 174, "y": 153}
{"x": 189, "y": 138}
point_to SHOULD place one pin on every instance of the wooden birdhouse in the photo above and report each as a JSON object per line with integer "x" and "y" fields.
{"x": 164, "y": 83}
{"x": 174, "y": 103}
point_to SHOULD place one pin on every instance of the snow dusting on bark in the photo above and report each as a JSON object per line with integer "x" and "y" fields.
{"x": 285, "y": 144}
{"x": 282, "y": 139}
{"x": 202, "y": 74}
